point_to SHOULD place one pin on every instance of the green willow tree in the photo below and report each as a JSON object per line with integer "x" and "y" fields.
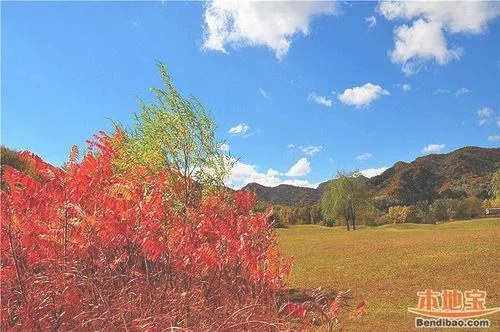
{"x": 346, "y": 198}
{"x": 176, "y": 135}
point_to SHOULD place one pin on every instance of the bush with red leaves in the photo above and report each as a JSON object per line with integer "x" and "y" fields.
{"x": 85, "y": 247}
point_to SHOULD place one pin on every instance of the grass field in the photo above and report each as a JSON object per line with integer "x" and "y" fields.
{"x": 388, "y": 265}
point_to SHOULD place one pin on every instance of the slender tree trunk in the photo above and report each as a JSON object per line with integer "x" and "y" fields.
{"x": 347, "y": 223}
{"x": 353, "y": 216}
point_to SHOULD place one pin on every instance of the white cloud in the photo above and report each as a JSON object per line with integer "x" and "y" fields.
{"x": 242, "y": 174}
{"x": 263, "y": 93}
{"x": 433, "y": 148}
{"x": 462, "y": 91}
{"x": 441, "y": 91}
{"x": 291, "y": 146}
{"x": 311, "y": 150}
{"x": 484, "y": 116}
{"x": 371, "y": 172}
{"x": 406, "y": 87}
{"x": 425, "y": 39}
{"x": 483, "y": 122}
{"x": 361, "y": 96}
{"x": 224, "y": 147}
{"x": 300, "y": 168}
{"x": 272, "y": 172}
{"x": 239, "y": 129}
{"x": 260, "y": 23}
{"x": 300, "y": 183}
{"x": 416, "y": 44}
{"x": 371, "y": 20}
{"x": 364, "y": 156}
{"x": 320, "y": 99}
{"x": 494, "y": 138}
{"x": 485, "y": 112}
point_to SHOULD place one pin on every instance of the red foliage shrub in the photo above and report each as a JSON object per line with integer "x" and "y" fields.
{"x": 86, "y": 247}
{"x": 321, "y": 313}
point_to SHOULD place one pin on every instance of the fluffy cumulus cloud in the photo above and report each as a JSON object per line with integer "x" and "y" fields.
{"x": 421, "y": 42}
{"x": 273, "y": 172}
{"x": 301, "y": 168}
{"x": 484, "y": 116}
{"x": 260, "y": 23}
{"x": 433, "y": 148}
{"x": 364, "y": 156}
{"x": 241, "y": 174}
{"x": 424, "y": 40}
{"x": 239, "y": 129}
{"x": 362, "y": 96}
{"x": 320, "y": 99}
{"x": 371, "y": 172}
{"x": 406, "y": 87}
{"x": 311, "y": 150}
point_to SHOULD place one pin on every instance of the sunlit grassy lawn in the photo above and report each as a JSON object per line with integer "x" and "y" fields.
{"x": 388, "y": 265}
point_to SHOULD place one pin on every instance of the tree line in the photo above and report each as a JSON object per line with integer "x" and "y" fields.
{"x": 349, "y": 201}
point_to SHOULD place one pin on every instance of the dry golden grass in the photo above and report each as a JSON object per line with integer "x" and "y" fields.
{"x": 388, "y": 265}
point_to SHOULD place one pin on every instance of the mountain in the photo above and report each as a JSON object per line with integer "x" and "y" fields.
{"x": 466, "y": 171}
{"x": 285, "y": 194}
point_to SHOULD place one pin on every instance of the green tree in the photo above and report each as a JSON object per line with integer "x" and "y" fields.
{"x": 439, "y": 209}
{"x": 495, "y": 184}
{"x": 176, "y": 135}
{"x": 345, "y": 198}
{"x": 316, "y": 215}
{"x": 422, "y": 213}
{"x": 474, "y": 207}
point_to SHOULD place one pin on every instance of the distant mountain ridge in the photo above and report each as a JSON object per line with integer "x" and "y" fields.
{"x": 285, "y": 194}
{"x": 464, "y": 171}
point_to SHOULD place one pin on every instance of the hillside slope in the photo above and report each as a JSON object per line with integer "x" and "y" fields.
{"x": 285, "y": 194}
{"x": 466, "y": 171}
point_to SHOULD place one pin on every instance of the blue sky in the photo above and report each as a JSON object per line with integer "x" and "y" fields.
{"x": 298, "y": 90}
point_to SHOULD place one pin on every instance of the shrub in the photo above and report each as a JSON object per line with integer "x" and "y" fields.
{"x": 401, "y": 214}
{"x": 439, "y": 210}
{"x": 321, "y": 312}
{"x": 329, "y": 222}
{"x": 88, "y": 248}
{"x": 474, "y": 208}
{"x": 458, "y": 209}
{"x": 422, "y": 213}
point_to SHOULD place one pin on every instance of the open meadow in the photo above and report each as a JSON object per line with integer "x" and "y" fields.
{"x": 387, "y": 265}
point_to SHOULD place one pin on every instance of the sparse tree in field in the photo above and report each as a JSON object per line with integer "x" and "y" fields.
{"x": 176, "y": 135}
{"x": 345, "y": 198}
